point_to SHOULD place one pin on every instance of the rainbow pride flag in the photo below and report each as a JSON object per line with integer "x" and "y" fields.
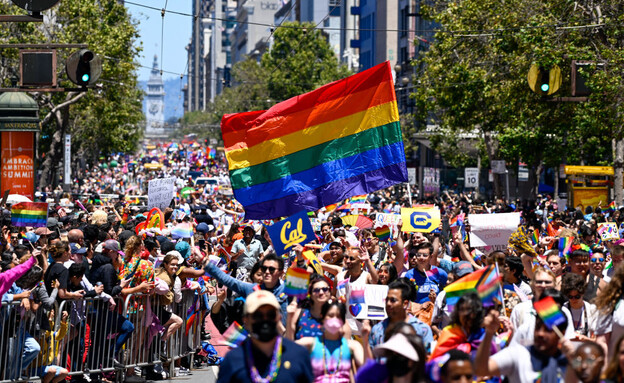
{"x": 182, "y": 230}
{"x": 550, "y": 313}
{"x": 535, "y": 236}
{"x": 296, "y": 283}
{"x": 485, "y": 282}
{"x": 234, "y": 335}
{"x": 612, "y": 206}
{"x": 34, "y": 214}
{"x": 565, "y": 245}
{"x": 358, "y": 199}
{"x": 313, "y": 150}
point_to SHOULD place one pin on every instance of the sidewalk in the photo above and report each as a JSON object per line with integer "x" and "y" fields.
{"x": 205, "y": 375}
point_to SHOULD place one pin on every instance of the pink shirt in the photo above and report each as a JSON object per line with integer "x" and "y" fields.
{"x": 8, "y": 277}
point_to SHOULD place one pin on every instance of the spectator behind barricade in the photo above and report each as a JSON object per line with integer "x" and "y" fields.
{"x": 614, "y": 373}
{"x": 587, "y": 362}
{"x": 50, "y": 347}
{"x": 544, "y": 360}
{"x": 246, "y": 252}
{"x": 57, "y": 271}
{"x": 617, "y": 256}
{"x": 331, "y": 351}
{"x": 440, "y": 318}
{"x": 584, "y": 314}
{"x": 272, "y": 268}
{"x": 135, "y": 269}
{"x": 12, "y": 270}
{"x": 152, "y": 250}
{"x": 165, "y": 281}
{"x": 398, "y": 299}
{"x": 265, "y": 355}
{"x": 430, "y": 280}
{"x": 305, "y": 319}
{"x": 579, "y": 264}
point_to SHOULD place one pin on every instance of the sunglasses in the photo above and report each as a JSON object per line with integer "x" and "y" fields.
{"x": 350, "y": 258}
{"x": 318, "y": 290}
{"x": 594, "y": 260}
{"x": 270, "y": 316}
{"x": 574, "y": 296}
{"x": 270, "y": 269}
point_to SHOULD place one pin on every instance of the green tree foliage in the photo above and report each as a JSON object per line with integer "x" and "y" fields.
{"x": 299, "y": 61}
{"x": 474, "y": 82}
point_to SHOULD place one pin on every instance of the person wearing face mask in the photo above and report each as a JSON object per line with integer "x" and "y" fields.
{"x": 331, "y": 353}
{"x": 265, "y": 356}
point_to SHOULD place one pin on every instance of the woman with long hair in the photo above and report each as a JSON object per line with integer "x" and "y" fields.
{"x": 387, "y": 274}
{"x": 166, "y": 276}
{"x": 305, "y": 320}
{"x": 614, "y": 373}
{"x": 332, "y": 354}
{"x": 610, "y": 323}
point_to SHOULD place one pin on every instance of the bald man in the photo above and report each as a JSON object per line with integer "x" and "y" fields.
{"x": 76, "y": 236}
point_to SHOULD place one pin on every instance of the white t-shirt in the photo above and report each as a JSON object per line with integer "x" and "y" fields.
{"x": 515, "y": 363}
{"x": 525, "y": 333}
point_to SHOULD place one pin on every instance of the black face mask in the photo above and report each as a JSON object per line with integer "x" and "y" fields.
{"x": 398, "y": 365}
{"x": 264, "y": 330}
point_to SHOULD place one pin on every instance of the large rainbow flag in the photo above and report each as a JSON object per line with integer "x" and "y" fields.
{"x": 313, "y": 150}
{"x": 33, "y": 214}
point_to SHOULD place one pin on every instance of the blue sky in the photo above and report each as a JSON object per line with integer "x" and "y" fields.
{"x": 177, "y": 32}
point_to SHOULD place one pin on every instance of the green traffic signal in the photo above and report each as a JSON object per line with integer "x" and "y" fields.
{"x": 85, "y": 77}
{"x": 545, "y": 88}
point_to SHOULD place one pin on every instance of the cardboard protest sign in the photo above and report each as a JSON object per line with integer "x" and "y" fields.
{"x": 160, "y": 192}
{"x": 608, "y": 231}
{"x": 295, "y": 230}
{"x": 492, "y": 229}
{"x": 367, "y": 301}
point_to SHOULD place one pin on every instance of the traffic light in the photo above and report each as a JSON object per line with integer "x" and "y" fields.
{"x": 83, "y": 67}
{"x": 544, "y": 81}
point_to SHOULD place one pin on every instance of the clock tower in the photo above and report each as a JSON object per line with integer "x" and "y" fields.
{"x": 155, "y": 97}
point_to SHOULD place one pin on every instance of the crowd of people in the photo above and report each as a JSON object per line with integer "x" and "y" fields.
{"x": 91, "y": 248}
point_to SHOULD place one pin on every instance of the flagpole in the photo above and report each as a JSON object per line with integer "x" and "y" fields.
{"x": 409, "y": 193}
{"x": 500, "y": 289}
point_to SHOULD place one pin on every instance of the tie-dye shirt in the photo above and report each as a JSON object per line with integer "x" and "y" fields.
{"x": 334, "y": 371}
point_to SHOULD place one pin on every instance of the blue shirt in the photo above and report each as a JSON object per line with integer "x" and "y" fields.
{"x": 422, "y": 329}
{"x": 434, "y": 280}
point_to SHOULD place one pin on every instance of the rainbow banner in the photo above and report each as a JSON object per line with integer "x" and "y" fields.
{"x": 234, "y": 335}
{"x": 485, "y": 282}
{"x": 32, "y": 214}
{"x": 550, "y": 313}
{"x": 296, "y": 283}
{"x": 338, "y": 141}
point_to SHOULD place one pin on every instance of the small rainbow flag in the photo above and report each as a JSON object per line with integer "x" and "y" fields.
{"x": 191, "y": 314}
{"x": 550, "y": 313}
{"x": 358, "y": 199}
{"x": 356, "y": 296}
{"x": 612, "y": 206}
{"x": 485, "y": 282}
{"x": 34, "y": 214}
{"x": 296, "y": 283}
{"x": 383, "y": 233}
{"x": 565, "y": 245}
{"x": 535, "y": 237}
{"x": 224, "y": 255}
{"x": 182, "y": 230}
{"x": 234, "y": 335}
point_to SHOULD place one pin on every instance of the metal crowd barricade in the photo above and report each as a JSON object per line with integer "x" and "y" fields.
{"x": 88, "y": 344}
{"x": 22, "y": 343}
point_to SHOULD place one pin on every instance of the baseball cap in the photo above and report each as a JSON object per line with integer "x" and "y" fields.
{"x": 399, "y": 344}
{"x": 53, "y": 222}
{"x": 258, "y": 299}
{"x": 111, "y": 244}
{"x": 462, "y": 268}
{"x": 43, "y": 231}
{"x": 77, "y": 249}
{"x": 183, "y": 248}
{"x": 203, "y": 227}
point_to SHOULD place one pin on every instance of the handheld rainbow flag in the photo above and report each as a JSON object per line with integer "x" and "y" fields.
{"x": 183, "y": 230}
{"x": 191, "y": 314}
{"x": 549, "y": 311}
{"x": 338, "y": 141}
{"x": 224, "y": 255}
{"x": 565, "y": 245}
{"x": 296, "y": 283}
{"x": 33, "y": 214}
{"x": 235, "y": 335}
{"x": 358, "y": 199}
{"x": 485, "y": 282}
{"x": 535, "y": 237}
{"x": 612, "y": 206}
{"x": 383, "y": 233}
